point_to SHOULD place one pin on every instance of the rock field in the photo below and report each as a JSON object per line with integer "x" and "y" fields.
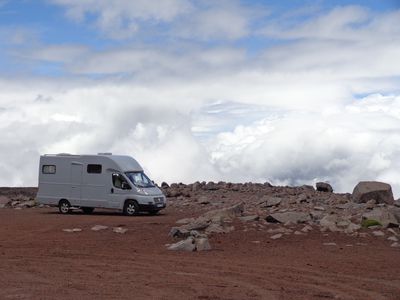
{"x": 213, "y": 208}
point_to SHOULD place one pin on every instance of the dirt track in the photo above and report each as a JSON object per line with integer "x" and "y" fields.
{"x": 40, "y": 261}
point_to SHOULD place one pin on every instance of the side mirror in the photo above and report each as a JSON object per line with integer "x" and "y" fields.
{"x": 125, "y": 186}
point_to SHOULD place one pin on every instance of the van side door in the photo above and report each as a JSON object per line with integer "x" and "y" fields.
{"x": 75, "y": 183}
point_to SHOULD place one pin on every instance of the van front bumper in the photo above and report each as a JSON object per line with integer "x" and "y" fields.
{"x": 151, "y": 207}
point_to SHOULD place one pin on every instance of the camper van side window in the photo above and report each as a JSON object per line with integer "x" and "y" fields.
{"x": 94, "y": 169}
{"x": 49, "y": 169}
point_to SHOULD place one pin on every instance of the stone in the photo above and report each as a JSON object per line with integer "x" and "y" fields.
{"x": 378, "y": 233}
{"x": 4, "y": 200}
{"x": 306, "y": 229}
{"x": 293, "y": 217}
{"x": 164, "y": 185}
{"x": 381, "y": 215}
{"x": 196, "y": 186}
{"x": 98, "y": 227}
{"x": 218, "y": 228}
{"x": 202, "y": 244}
{"x": 329, "y": 222}
{"x": 211, "y": 186}
{"x": 276, "y": 236}
{"x": 249, "y": 218}
{"x": 185, "y": 221}
{"x": 272, "y": 201}
{"x": 178, "y": 232}
{"x": 324, "y": 187}
{"x": 368, "y": 190}
{"x": 319, "y": 208}
{"x": 224, "y": 214}
{"x": 395, "y": 245}
{"x": 72, "y": 230}
{"x": 330, "y": 244}
{"x": 28, "y": 204}
{"x": 199, "y": 224}
{"x": 351, "y": 228}
{"x": 120, "y": 230}
{"x": 393, "y": 238}
{"x": 204, "y": 200}
{"x": 184, "y": 245}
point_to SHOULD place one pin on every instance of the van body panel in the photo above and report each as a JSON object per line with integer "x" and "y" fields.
{"x": 87, "y": 181}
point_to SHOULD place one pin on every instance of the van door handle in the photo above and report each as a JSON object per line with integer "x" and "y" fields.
{"x": 112, "y": 190}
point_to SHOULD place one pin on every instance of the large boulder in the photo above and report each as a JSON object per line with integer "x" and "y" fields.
{"x": 324, "y": 187}
{"x": 368, "y": 190}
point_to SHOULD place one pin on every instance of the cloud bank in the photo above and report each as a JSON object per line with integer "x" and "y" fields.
{"x": 319, "y": 101}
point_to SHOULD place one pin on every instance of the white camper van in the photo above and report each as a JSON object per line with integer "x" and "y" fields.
{"x": 103, "y": 180}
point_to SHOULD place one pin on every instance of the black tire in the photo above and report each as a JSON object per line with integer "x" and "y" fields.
{"x": 87, "y": 210}
{"x": 131, "y": 208}
{"x": 64, "y": 207}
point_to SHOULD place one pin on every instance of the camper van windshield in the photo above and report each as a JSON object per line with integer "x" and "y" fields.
{"x": 139, "y": 179}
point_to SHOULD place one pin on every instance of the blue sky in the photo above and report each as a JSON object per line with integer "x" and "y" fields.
{"x": 290, "y": 92}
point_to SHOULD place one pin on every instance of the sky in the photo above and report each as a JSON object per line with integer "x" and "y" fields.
{"x": 289, "y": 92}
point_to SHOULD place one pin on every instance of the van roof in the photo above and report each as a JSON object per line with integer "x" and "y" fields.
{"x": 124, "y": 163}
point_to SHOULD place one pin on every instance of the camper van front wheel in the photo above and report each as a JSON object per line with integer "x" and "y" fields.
{"x": 130, "y": 208}
{"x": 64, "y": 206}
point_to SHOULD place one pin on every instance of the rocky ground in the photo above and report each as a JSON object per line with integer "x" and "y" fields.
{"x": 214, "y": 241}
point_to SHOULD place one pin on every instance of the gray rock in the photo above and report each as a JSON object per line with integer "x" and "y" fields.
{"x": 368, "y": 190}
{"x": 98, "y": 227}
{"x": 4, "y": 200}
{"x": 184, "y": 245}
{"x": 276, "y": 236}
{"x": 185, "y": 221}
{"x": 28, "y": 204}
{"x": 72, "y": 230}
{"x": 288, "y": 217}
{"x": 120, "y": 230}
{"x": 378, "y": 233}
{"x": 383, "y": 216}
{"x": 249, "y": 218}
{"x": 272, "y": 201}
{"x": 218, "y": 228}
{"x": 178, "y": 232}
{"x": 330, "y": 244}
{"x": 204, "y": 200}
{"x": 224, "y": 214}
{"x": 202, "y": 244}
{"x": 329, "y": 222}
{"x": 324, "y": 187}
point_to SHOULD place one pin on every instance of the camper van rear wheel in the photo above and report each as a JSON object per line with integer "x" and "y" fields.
{"x": 64, "y": 206}
{"x": 130, "y": 208}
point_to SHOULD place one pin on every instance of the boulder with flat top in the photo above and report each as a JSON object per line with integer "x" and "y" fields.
{"x": 373, "y": 190}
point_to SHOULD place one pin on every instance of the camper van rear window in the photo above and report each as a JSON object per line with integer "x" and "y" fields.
{"x": 94, "y": 169}
{"x": 49, "y": 169}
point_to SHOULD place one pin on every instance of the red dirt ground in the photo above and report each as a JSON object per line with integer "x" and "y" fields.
{"x": 40, "y": 261}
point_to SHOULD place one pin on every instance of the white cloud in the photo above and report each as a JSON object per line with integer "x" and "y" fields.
{"x": 291, "y": 113}
{"x": 358, "y": 142}
{"x": 122, "y": 19}
{"x": 203, "y": 20}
